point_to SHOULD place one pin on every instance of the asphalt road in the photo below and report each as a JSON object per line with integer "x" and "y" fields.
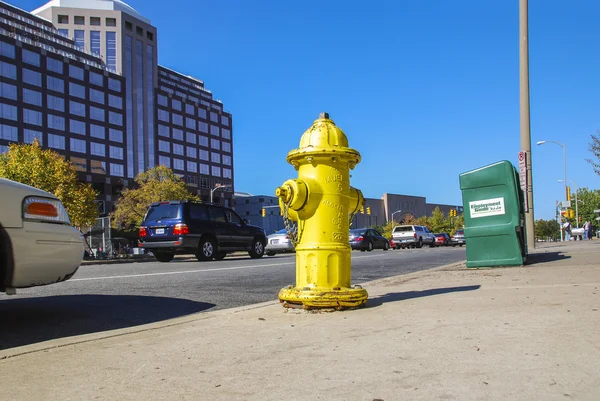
{"x": 113, "y": 296}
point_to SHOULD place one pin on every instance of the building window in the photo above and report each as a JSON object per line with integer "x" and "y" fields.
{"x": 116, "y": 170}
{"x": 191, "y": 152}
{"x": 215, "y": 144}
{"x": 215, "y": 157}
{"x": 63, "y": 19}
{"x": 226, "y": 160}
{"x": 202, "y": 113}
{"x": 9, "y": 133}
{"x": 164, "y": 160}
{"x": 95, "y": 21}
{"x": 226, "y": 173}
{"x": 225, "y": 133}
{"x": 111, "y": 50}
{"x": 77, "y": 127}
{"x": 214, "y": 130}
{"x": 77, "y": 108}
{"x": 139, "y": 31}
{"x": 8, "y": 112}
{"x": 8, "y": 70}
{"x": 177, "y": 149}
{"x": 97, "y": 131}
{"x": 204, "y": 169}
{"x": 95, "y": 41}
{"x": 203, "y": 127}
{"x": 64, "y": 32}
{"x": 163, "y": 115}
{"x": 9, "y": 91}
{"x": 80, "y": 39}
{"x": 150, "y": 104}
{"x": 56, "y": 123}
{"x": 78, "y": 163}
{"x": 56, "y": 103}
{"x": 189, "y": 109}
{"x": 115, "y": 101}
{"x": 214, "y": 117}
{"x": 190, "y": 123}
{"x": 203, "y": 154}
{"x": 97, "y": 113}
{"x": 115, "y": 118}
{"x": 3, "y": 149}
{"x": 216, "y": 171}
{"x": 177, "y": 134}
{"x": 30, "y": 57}
{"x": 114, "y": 84}
{"x": 115, "y": 135}
{"x": 54, "y": 65}
{"x": 96, "y": 96}
{"x": 98, "y": 167}
{"x": 178, "y": 164}
{"x": 163, "y": 100}
{"x": 111, "y": 21}
{"x": 203, "y": 141}
{"x": 192, "y": 167}
{"x": 149, "y": 35}
{"x": 79, "y": 20}
{"x": 29, "y": 135}
{"x": 97, "y": 149}
{"x": 76, "y": 72}
{"x": 32, "y": 117}
{"x": 7, "y": 50}
{"x": 55, "y": 84}
{"x": 225, "y": 121}
{"x": 176, "y": 104}
{"x": 164, "y": 146}
{"x": 78, "y": 145}
{"x": 226, "y": 147}
{"x": 128, "y": 25}
{"x": 76, "y": 90}
{"x": 190, "y": 137}
{"x": 56, "y": 141}
{"x": 177, "y": 119}
{"x": 32, "y": 77}
{"x": 96, "y": 79}
{"x": 116, "y": 153}
{"x": 163, "y": 130}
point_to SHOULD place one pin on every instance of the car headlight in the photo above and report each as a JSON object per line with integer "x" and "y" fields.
{"x": 44, "y": 209}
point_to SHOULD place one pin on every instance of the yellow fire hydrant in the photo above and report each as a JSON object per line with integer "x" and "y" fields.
{"x": 317, "y": 209}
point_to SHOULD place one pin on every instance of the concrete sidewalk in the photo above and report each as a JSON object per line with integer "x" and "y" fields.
{"x": 526, "y": 333}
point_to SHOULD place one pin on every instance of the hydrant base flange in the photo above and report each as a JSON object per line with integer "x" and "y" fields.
{"x": 345, "y": 298}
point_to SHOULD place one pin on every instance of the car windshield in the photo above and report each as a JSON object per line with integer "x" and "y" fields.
{"x": 402, "y": 228}
{"x": 460, "y": 232}
{"x": 282, "y": 231}
{"x": 358, "y": 232}
{"x": 160, "y": 212}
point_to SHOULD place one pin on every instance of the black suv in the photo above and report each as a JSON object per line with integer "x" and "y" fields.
{"x": 206, "y": 230}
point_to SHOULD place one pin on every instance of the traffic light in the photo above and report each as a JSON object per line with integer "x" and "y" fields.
{"x": 452, "y": 212}
{"x": 571, "y": 213}
{"x": 368, "y": 209}
{"x": 263, "y": 212}
{"x": 568, "y": 193}
{"x": 362, "y": 210}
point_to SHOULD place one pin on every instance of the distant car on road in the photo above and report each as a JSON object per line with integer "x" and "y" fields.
{"x": 38, "y": 245}
{"x": 279, "y": 242}
{"x": 442, "y": 239}
{"x": 412, "y": 236}
{"x": 458, "y": 238}
{"x": 367, "y": 239}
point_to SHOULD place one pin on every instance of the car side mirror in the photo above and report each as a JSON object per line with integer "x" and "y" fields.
{"x": 246, "y": 221}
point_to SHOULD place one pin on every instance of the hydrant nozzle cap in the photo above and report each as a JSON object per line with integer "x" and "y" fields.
{"x": 324, "y": 115}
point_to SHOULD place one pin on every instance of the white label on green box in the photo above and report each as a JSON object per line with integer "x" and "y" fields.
{"x": 487, "y": 207}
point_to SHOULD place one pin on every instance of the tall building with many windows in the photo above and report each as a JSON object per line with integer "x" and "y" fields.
{"x": 82, "y": 76}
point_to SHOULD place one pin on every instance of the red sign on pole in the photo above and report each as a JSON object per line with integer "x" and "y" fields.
{"x": 523, "y": 177}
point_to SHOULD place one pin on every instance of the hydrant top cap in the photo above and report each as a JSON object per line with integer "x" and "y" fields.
{"x": 324, "y": 115}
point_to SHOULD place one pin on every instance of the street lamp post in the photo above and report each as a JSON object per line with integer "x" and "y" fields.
{"x": 564, "y": 163}
{"x": 217, "y": 186}
{"x": 397, "y": 211}
{"x": 576, "y": 202}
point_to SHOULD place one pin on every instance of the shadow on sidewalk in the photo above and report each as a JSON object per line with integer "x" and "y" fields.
{"x": 545, "y": 257}
{"x": 401, "y": 296}
{"x": 33, "y": 320}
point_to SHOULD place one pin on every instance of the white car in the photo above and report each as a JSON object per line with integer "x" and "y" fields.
{"x": 279, "y": 242}
{"x": 38, "y": 246}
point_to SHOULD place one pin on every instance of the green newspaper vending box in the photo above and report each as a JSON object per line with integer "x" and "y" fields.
{"x": 494, "y": 216}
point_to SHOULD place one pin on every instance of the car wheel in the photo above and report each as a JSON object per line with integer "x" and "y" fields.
{"x": 432, "y": 245}
{"x": 420, "y": 244}
{"x": 461, "y": 245}
{"x": 220, "y": 255}
{"x": 370, "y": 246}
{"x": 270, "y": 253}
{"x": 164, "y": 256}
{"x": 386, "y": 246}
{"x": 258, "y": 249}
{"x": 206, "y": 249}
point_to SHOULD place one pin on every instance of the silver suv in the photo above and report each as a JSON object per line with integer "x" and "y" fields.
{"x": 412, "y": 236}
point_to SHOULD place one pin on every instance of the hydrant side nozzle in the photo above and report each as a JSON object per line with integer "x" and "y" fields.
{"x": 283, "y": 193}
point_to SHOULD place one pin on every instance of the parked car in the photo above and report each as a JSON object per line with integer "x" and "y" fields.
{"x": 458, "y": 238}
{"x": 367, "y": 239}
{"x": 208, "y": 231}
{"x": 38, "y": 245}
{"x": 412, "y": 236}
{"x": 442, "y": 239}
{"x": 279, "y": 242}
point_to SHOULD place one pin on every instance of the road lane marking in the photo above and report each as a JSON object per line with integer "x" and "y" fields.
{"x": 194, "y": 271}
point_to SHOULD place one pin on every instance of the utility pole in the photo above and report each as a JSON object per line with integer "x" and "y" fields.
{"x": 525, "y": 124}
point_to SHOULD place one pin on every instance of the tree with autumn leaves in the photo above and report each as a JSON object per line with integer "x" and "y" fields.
{"x": 155, "y": 185}
{"x": 47, "y": 170}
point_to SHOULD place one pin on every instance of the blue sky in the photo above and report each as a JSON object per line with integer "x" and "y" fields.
{"x": 424, "y": 90}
